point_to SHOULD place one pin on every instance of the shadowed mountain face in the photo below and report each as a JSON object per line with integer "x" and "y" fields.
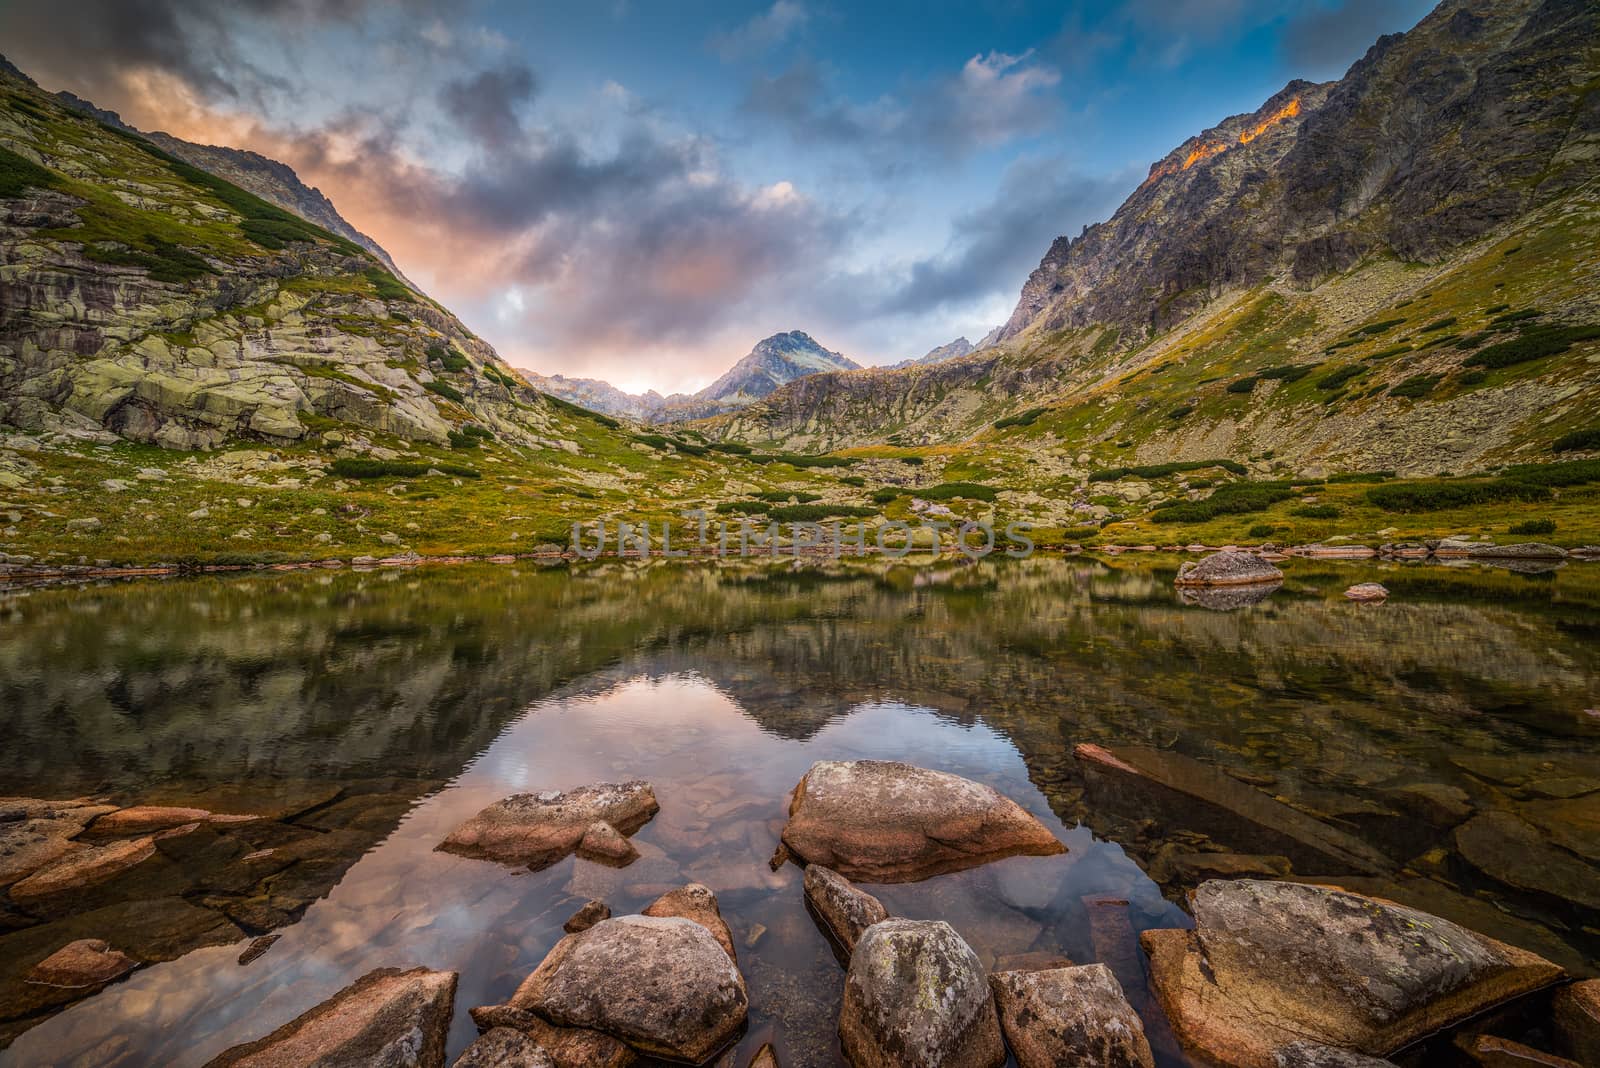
{"x": 1475, "y": 117}
{"x": 774, "y": 362}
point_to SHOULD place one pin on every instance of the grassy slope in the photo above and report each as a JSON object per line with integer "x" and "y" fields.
{"x": 1112, "y": 407}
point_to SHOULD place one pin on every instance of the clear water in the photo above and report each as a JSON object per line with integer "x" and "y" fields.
{"x": 389, "y": 706}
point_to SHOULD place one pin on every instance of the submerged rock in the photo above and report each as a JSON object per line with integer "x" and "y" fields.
{"x": 845, "y": 911}
{"x": 502, "y": 1047}
{"x": 1489, "y": 1051}
{"x": 1228, "y": 569}
{"x": 1522, "y": 550}
{"x": 1270, "y": 963}
{"x": 1577, "y": 1021}
{"x": 1069, "y": 1016}
{"x": 387, "y": 1017}
{"x": 1311, "y": 1055}
{"x": 1367, "y": 591}
{"x": 540, "y": 829}
{"x": 605, "y": 844}
{"x": 663, "y": 985}
{"x": 143, "y": 819}
{"x": 1181, "y": 792}
{"x": 84, "y": 963}
{"x": 83, "y": 868}
{"x": 1513, "y": 852}
{"x": 916, "y": 997}
{"x": 591, "y": 913}
{"x": 568, "y": 1047}
{"x": 885, "y": 821}
{"x": 34, "y": 833}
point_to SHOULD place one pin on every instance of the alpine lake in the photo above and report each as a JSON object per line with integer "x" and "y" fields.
{"x": 365, "y": 714}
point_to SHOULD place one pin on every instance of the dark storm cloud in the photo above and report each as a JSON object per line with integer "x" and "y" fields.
{"x": 487, "y": 104}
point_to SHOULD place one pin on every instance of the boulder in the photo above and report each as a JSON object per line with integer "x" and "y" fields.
{"x": 1069, "y": 1016}
{"x": 502, "y": 1047}
{"x": 35, "y": 833}
{"x": 1522, "y": 550}
{"x": 568, "y": 1047}
{"x": 884, "y": 821}
{"x": 1512, "y": 851}
{"x": 663, "y": 985}
{"x": 1577, "y": 1021}
{"x": 539, "y": 829}
{"x": 697, "y": 903}
{"x": 1228, "y": 569}
{"x": 82, "y": 869}
{"x": 916, "y": 997}
{"x": 1312, "y": 1055}
{"x": 604, "y": 844}
{"x": 591, "y": 913}
{"x": 84, "y": 963}
{"x": 1367, "y": 592}
{"x": 845, "y": 912}
{"x": 1181, "y": 792}
{"x": 387, "y": 1017}
{"x": 144, "y": 819}
{"x": 1269, "y": 963}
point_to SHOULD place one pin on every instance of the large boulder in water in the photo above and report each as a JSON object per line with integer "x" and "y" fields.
{"x": 387, "y": 1017}
{"x": 662, "y": 984}
{"x": 1069, "y": 1016}
{"x": 845, "y": 911}
{"x": 887, "y": 822}
{"x": 1228, "y": 569}
{"x": 540, "y": 829}
{"x": 916, "y": 997}
{"x": 1270, "y": 963}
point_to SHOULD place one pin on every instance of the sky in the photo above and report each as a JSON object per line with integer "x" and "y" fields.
{"x": 641, "y": 191}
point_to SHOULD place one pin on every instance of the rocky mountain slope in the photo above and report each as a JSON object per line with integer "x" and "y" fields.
{"x": 952, "y": 350}
{"x": 1373, "y": 228}
{"x": 775, "y": 361}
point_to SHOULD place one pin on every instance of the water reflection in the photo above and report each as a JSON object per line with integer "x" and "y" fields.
{"x": 378, "y": 709}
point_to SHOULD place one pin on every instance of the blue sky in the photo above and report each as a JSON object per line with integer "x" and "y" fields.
{"x": 640, "y": 191}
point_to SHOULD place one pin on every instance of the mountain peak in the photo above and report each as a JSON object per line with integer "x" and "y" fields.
{"x": 774, "y": 361}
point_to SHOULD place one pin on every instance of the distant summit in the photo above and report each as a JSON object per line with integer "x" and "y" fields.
{"x": 953, "y": 350}
{"x": 775, "y": 361}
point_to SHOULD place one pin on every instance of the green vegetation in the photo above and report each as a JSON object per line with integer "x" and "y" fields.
{"x": 1431, "y": 496}
{"x": 445, "y": 390}
{"x": 1439, "y": 324}
{"x": 1361, "y": 476}
{"x": 1566, "y": 473}
{"x": 1377, "y": 328}
{"x": 795, "y": 459}
{"x": 912, "y": 461}
{"x": 811, "y": 513}
{"x": 470, "y": 436}
{"x": 1577, "y": 440}
{"x": 972, "y": 491}
{"x": 1262, "y": 530}
{"x": 1341, "y": 376}
{"x": 1416, "y": 386}
{"x": 1384, "y": 354}
{"x": 1315, "y": 511}
{"x": 363, "y": 469}
{"x": 1244, "y": 385}
{"x": 784, "y": 496}
{"x": 1533, "y": 526}
{"x": 1233, "y": 499}
{"x": 1517, "y": 316}
{"x": 388, "y": 287}
{"x": 1111, "y": 474}
{"x": 579, "y": 411}
{"x": 18, "y": 174}
{"x": 448, "y": 358}
{"x": 886, "y": 494}
{"x": 1534, "y": 344}
{"x": 1180, "y": 411}
{"x": 732, "y": 448}
{"x": 165, "y": 261}
{"x": 1026, "y": 418}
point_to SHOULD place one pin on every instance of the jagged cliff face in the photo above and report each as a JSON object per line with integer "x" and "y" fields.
{"x": 1392, "y": 196}
{"x": 1475, "y": 117}
{"x": 148, "y": 300}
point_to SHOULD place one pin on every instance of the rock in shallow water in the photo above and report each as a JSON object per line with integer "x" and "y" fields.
{"x": 1577, "y": 1021}
{"x": 916, "y": 997}
{"x": 1367, "y": 592}
{"x": 1228, "y": 569}
{"x": 845, "y": 911}
{"x": 1270, "y": 963}
{"x": 697, "y": 903}
{"x": 1311, "y": 1055}
{"x": 540, "y": 829}
{"x": 884, "y": 821}
{"x": 388, "y": 1017}
{"x": 1069, "y": 1016}
{"x": 663, "y": 985}
{"x": 86, "y": 962}
{"x": 502, "y": 1047}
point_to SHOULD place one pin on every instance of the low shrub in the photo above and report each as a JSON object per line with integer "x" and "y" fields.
{"x": 1535, "y": 344}
{"x": 1111, "y": 474}
{"x": 1180, "y": 411}
{"x": 1384, "y": 354}
{"x": 1233, "y": 499}
{"x": 1432, "y": 496}
{"x": 1473, "y": 378}
{"x": 444, "y": 389}
{"x": 1362, "y": 476}
{"x": 811, "y": 513}
{"x": 1315, "y": 511}
{"x": 1341, "y": 376}
{"x": 387, "y": 286}
{"x": 972, "y": 491}
{"x": 745, "y": 507}
{"x": 798, "y": 460}
{"x": 1576, "y": 440}
{"x": 1377, "y": 328}
{"x": 732, "y": 448}
{"x": 1438, "y": 324}
{"x": 1291, "y": 372}
{"x": 852, "y": 480}
{"x": 448, "y": 358}
{"x": 886, "y": 494}
{"x": 1416, "y": 386}
{"x": 1496, "y": 308}
{"x": 1262, "y": 530}
{"x": 352, "y": 467}
{"x": 1517, "y": 316}
{"x": 164, "y": 261}
{"x": 1243, "y": 385}
{"x": 1533, "y": 526}
{"x": 912, "y": 461}
{"x": 1566, "y": 473}
{"x": 1026, "y": 418}
{"x": 785, "y": 496}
